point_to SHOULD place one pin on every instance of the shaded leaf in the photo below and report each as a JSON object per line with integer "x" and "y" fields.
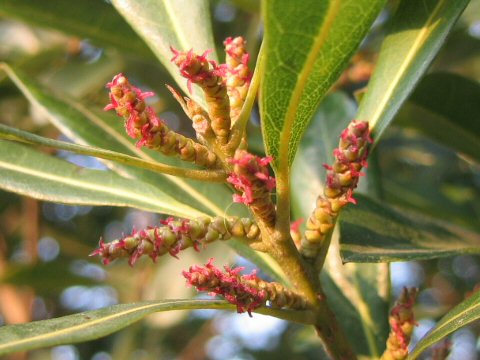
{"x": 31, "y": 173}
{"x": 417, "y": 32}
{"x": 306, "y": 46}
{"x": 92, "y": 325}
{"x": 461, "y": 315}
{"x": 375, "y": 232}
{"x": 446, "y": 108}
{"x": 183, "y": 24}
{"x": 91, "y": 19}
{"x": 43, "y": 277}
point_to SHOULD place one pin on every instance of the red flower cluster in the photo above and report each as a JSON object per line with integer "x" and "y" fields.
{"x": 142, "y": 123}
{"x": 250, "y": 176}
{"x": 196, "y": 68}
{"x": 237, "y": 75}
{"x": 209, "y": 76}
{"x": 342, "y": 179}
{"x": 128, "y": 101}
{"x": 350, "y": 157}
{"x": 229, "y": 284}
{"x": 402, "y": 322}
{"x": 174, "y": 236}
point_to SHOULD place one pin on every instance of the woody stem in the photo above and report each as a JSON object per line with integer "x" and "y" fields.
{"x": 305, "y": 280}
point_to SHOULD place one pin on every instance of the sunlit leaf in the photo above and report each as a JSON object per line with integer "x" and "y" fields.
{"x": 417, "y": 32}
{"x": 92, "y": 325}
{"x": 306, "y": 46}
{"x": 461, "y": 315}
{"x": 31, "y": 173}
{"x": 183, "y": 24}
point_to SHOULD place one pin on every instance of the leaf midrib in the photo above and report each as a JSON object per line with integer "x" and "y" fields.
{"x": 83, "y": 185}
{"x": 418, "y": 43}
{"x": 438, "y": 329}
{"x": 100, "y": 320}
{"x": 319, "y": 40}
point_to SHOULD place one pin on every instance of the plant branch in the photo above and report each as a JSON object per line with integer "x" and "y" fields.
{"x": 9, "y": 133}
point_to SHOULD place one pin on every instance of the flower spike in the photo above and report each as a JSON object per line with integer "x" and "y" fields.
{"x": 237, "y": 75}
{"x": 247, "y": 292}
{"x": 207, "y": 74}
{"x": 176, "y": 235}
{"x": 342, "y": 179}
{"x": 142, "y": 123}
{"x": 402, "y": 321}
{"x": 251, "y": 177}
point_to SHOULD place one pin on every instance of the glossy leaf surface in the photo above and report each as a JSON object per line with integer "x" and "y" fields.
{"x": 183, "y": 24}
{"x": 95, "y": 324}
{"x": 306, "y": 46}
{"x": 31, "y": 173}
{"x": 375, "y": 232}
{"x": 417, "y": 32}
{"x": 461, "y": 315}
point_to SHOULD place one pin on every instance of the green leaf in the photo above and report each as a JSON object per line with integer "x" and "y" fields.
{"x": 31, "y": 173}
{"x": 183, "y": 24}
{"x": 357, "y": 292}
{"x": 85, "y": 127}
{"x": 92, "y": 325}
{"x": 306, "y": 46}
{"x": 445, "y": 107}
{"x": 375, "y": 232}
{"x": 91, "y": 19}
{"x": 417, "y": 32}
{"x": 9, "y": 133}
{"x": 461, "y": 315}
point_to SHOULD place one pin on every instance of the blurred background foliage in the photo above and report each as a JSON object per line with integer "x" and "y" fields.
{"x": 45, "y": 271}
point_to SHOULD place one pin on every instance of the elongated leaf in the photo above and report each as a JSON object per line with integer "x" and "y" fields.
{"x": 183, "y": 24}
{"x": 374, "y": 232}
{"x": 9, "y": 133}
{"x": 86, "y": 127}
{"x": 357, "y": 292}
{"x": 91, "y": 19}
{"x": 29, "y": 172}
{"x": 307, "y": 44}
{"x": 91, "y": 325}
{"x": 446, "y": 108}
{"x": 461, "y": 315}
{"x": 418, "y": 30}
